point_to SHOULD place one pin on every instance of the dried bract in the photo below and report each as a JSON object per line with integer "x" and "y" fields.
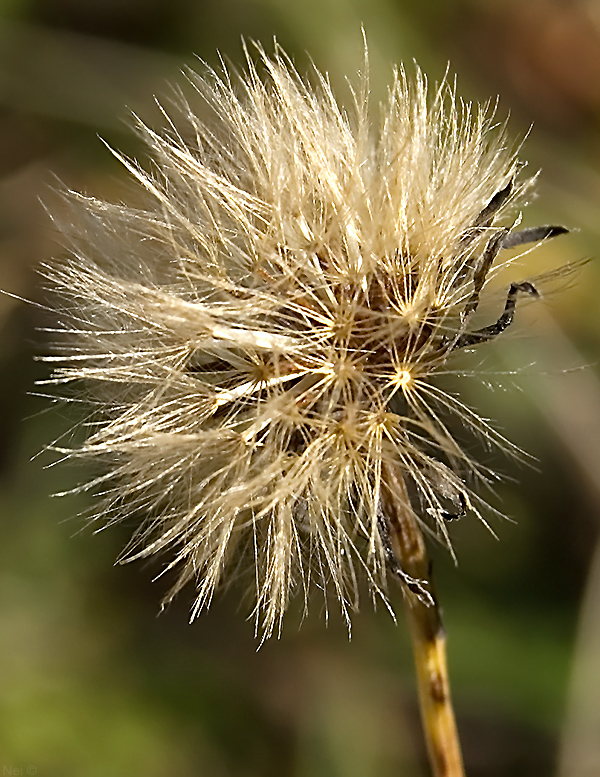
{"x": 261, "y": 336}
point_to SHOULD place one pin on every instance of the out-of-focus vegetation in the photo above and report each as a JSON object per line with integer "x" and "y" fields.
{"x": 92, "y": 682}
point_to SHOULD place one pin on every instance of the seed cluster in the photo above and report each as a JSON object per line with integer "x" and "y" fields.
{"x": 260, "y": 337}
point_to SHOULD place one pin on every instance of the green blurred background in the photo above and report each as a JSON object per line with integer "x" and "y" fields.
{"x": 92, "y": 682}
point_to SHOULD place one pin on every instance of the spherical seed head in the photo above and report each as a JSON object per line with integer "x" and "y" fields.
{"x": 261, "y": 336}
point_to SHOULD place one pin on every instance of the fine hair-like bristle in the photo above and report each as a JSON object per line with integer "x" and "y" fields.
{"x": 261, "y": 336}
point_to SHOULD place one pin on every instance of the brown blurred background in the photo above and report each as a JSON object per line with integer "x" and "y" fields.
{"x": 92, "y": 682}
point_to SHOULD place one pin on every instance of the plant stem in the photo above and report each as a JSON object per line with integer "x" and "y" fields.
{"x": 427, "y": 632}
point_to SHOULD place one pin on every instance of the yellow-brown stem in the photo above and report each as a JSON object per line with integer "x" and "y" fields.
{"x": 427, "y": 633}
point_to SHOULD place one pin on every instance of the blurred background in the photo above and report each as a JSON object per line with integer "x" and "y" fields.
{"x": 92, "y": 682}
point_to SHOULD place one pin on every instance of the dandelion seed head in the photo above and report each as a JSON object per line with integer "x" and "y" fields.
{"x": 262, "y": 335}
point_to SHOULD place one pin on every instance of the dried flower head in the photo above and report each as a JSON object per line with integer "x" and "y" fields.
{"x": 261, "y": 336}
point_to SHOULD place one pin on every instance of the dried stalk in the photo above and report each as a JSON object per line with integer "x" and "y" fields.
{"x": 427, "y": 633}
